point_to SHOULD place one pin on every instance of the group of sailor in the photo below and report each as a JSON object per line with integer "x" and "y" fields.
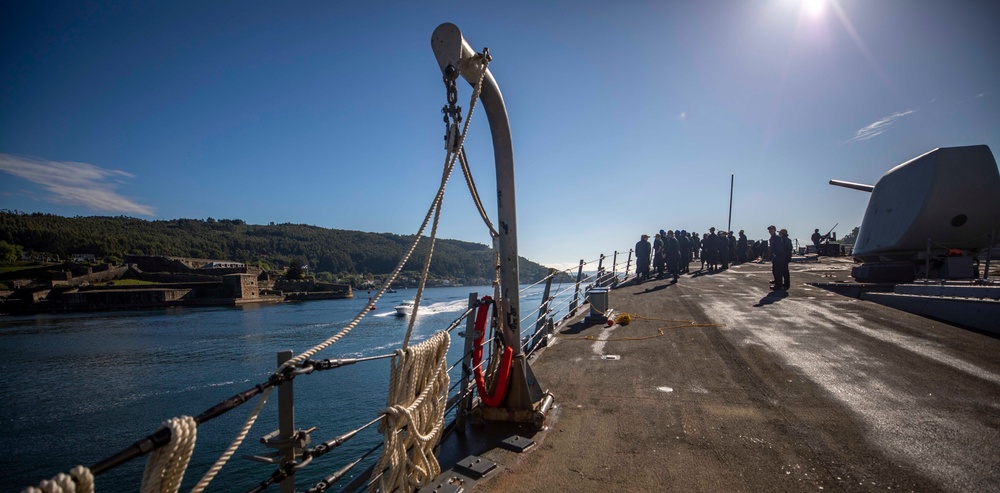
{"x": 672, "y": 252}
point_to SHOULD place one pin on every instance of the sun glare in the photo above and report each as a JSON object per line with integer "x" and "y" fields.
{"x": 813, "y": 8}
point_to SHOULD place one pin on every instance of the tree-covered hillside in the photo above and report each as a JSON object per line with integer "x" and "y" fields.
{"x": 339, "y": 252}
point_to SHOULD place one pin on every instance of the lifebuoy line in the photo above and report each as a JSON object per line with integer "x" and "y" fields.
{"x": 500, "y": 391}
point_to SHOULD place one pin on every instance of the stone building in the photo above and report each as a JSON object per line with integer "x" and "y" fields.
{"x": 243, "y": 286}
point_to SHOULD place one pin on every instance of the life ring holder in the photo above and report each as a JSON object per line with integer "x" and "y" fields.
{"x": 495, "y": 398}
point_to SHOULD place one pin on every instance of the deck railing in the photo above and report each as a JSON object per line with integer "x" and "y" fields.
{"x": 563, "y": 293}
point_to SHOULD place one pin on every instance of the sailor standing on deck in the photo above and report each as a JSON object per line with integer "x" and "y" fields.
{"x": 658, "y": 258}
{"x": 787, "y": 243}
{"x": 685, "y": 243}
{"x": 741, "y": 248}
{"x": 704, "y": 250}
{"x": 723, "y": 249}
{"x": 776, "y": 247}
{"x": 732, "y": 247}
{"x": 673, "y": 252}
{"x": 711, "y": 249}
{"x": 642, "y": 253}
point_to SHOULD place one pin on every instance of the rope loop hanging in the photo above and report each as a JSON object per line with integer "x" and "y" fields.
{"x": 414, "y": 415}
{"x": 166, "y": 466}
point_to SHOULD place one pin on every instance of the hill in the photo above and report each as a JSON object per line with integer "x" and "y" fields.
{"x": 337, "y": 253}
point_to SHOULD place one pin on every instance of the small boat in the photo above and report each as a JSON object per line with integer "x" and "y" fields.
{"x": 405, "y": 308}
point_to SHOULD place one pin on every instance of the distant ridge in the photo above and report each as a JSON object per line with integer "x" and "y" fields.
{"x": 339, "y": 252}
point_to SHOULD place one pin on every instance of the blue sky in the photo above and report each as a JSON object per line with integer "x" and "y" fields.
{"x": 627, "y": 117}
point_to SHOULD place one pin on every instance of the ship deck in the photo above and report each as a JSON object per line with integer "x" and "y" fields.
{"x": 803, "y": 391}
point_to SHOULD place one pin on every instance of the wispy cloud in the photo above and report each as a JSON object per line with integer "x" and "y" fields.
{"x": 879, "y": 126}
{"x": 72, "y": 183}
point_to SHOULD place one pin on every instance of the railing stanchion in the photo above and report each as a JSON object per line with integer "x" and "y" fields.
{"x": 614, "y": 268}
{"x": 576, "y": 294}
{"x": 628, "y": 264}
{"x": 286, "y": 422}
{"x": 470, "y": 336}
{"x": 600, "y": 272}
{"x": 543, "y": 310}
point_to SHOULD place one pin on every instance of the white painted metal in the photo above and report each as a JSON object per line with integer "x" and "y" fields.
{"x": 452, "y": 50}
{"x": 949, "y": 195}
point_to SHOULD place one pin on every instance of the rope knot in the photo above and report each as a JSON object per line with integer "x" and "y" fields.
{"x": 395, "y": 417}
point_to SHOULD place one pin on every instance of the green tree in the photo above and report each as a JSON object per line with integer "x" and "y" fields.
{"x": 294, "y": 270}
{"x": 9, "y": 253}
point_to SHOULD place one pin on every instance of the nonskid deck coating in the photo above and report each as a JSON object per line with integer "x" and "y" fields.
{"x": 808, "y": 391}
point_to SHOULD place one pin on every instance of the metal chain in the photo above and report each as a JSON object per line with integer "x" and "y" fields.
{"x": 452, "y": 112}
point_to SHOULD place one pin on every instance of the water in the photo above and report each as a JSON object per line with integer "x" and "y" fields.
{"x": 77, "y": 388}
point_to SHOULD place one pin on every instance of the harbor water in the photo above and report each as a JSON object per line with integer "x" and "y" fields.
{"x": 78, "y": 387}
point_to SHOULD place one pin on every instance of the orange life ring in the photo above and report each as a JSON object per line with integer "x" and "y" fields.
{"x": 500, "y": 392}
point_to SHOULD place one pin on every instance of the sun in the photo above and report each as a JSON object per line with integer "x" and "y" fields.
{"x": 813, "y": 8}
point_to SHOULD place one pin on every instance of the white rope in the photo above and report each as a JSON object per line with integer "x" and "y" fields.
{"x": 450, "y": 158}
{"x": 207, "y": 478}
{"x": 475, "y": 193}
{"x": 414, "y": 416}
{"x": 79, "y": 480}
{"x": 165, "y": 468}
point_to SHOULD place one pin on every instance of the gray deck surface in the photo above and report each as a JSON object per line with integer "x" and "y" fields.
{"x": 806, "y": 392}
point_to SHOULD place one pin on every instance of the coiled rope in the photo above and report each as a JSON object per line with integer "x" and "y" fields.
{"x": 166, "y": 465}
{"x": 79, "y": 480}
{"x": 414, "y": 415}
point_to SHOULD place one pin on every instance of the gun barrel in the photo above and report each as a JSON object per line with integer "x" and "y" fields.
{"x": 855, "y": 186}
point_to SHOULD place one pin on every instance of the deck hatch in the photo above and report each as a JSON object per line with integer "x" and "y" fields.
{"x": 475, "y": 467}
{"x": 517, "y": 443}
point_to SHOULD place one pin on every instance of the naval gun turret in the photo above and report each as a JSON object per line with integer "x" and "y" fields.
{"x": 944, "y": 201}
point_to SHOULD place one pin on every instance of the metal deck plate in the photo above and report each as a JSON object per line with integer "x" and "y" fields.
{"x": 475, "y": 467}
{"x": 443, "y": 486}
{"x": 517, "y": 443}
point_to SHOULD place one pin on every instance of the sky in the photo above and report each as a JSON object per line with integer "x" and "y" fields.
{"x": 627, "y": 117}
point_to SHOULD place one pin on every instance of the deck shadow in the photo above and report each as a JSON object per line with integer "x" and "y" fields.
{"x": 578, "y": 327}
{"x": 651, "y": 290}
{"x": 772, "y": 297}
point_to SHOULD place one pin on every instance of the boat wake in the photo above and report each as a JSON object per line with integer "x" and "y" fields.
{"x": 454, "y": 306}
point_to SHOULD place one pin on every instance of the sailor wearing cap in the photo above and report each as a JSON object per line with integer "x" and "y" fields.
{"x": 642, "y": 257}
{"x": 777, "y": 247}
{"x": 673, "y": 251}
{"x": 685, "y": 242}
{"x": 741, "y": 248}
{"x": 711, "y": 242}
